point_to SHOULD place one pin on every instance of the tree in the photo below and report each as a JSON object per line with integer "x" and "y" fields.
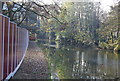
{"x": 80, "y": 22}
{"x": 19, "y": 11}
{"x": 110, "y": 27}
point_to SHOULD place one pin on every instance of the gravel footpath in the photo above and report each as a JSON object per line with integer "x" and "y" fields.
{"x": 34, "y": 65}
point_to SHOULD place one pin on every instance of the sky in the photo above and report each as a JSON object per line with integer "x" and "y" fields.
{"x": 105, "y": 4}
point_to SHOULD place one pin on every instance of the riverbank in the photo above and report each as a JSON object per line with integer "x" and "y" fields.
{"x": 34, "y": 65}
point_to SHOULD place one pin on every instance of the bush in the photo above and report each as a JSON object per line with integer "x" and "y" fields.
{"x": 103, "y": 45}
{"x": 117, "y": 48}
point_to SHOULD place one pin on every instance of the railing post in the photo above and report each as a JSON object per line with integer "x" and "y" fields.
{"x": 11, "y": 47}
{"x": 6, "y": 46}
{"x": 17, "y": 46}
{"x": 20, "y": 42}
{"x": 1, "y": 48}
{"x": 14, "y": 46}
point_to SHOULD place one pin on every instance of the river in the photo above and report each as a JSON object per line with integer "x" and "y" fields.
{"x": 71, "y": 62}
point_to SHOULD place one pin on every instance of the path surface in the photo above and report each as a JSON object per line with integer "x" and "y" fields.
{"x": 34, "y": 65}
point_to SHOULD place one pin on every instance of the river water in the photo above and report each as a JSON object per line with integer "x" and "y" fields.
{"x": 71, "y": 62}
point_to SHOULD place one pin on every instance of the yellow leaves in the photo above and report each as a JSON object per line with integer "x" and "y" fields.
{"x": 110, "y": 41}
{"x": 50, "y": 21}
{"x": 67, "y": 5}
{"x": 33, "y": 24}
{"x": 47, "y": 31}
{"x": 9, "y": 3}
{"x": 117, "y": 48}
{"x": 62, "y": 31}
{"x": 103, "y": 45}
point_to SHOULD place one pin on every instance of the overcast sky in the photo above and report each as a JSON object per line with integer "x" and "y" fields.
{"x": 105, "y": 4}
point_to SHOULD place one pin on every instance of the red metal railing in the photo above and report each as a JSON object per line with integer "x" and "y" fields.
{"x": 13, "y": 46}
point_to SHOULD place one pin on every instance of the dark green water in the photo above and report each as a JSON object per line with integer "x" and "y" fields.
{"x": 70, "y": 62}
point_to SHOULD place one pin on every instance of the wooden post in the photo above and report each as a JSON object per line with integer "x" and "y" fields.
{"x": 6, "y": 47}
{"x": 14, "y": 46}
{"x": 11, "y": 47}
{"x": 1, "y": 48}
{"x": 17, "y": 48}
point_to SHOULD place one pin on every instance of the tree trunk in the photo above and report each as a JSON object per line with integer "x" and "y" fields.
{"x": 118, "y": 32}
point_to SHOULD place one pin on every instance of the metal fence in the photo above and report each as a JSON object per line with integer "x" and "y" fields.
{"x": 13, "y": 46}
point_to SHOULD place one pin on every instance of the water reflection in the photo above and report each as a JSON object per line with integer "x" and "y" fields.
{"x": 77, "y": 63}
{"x": 96, "y": 64}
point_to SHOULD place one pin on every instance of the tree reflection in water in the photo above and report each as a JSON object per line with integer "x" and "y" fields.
{"x": 78, "y": 63}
